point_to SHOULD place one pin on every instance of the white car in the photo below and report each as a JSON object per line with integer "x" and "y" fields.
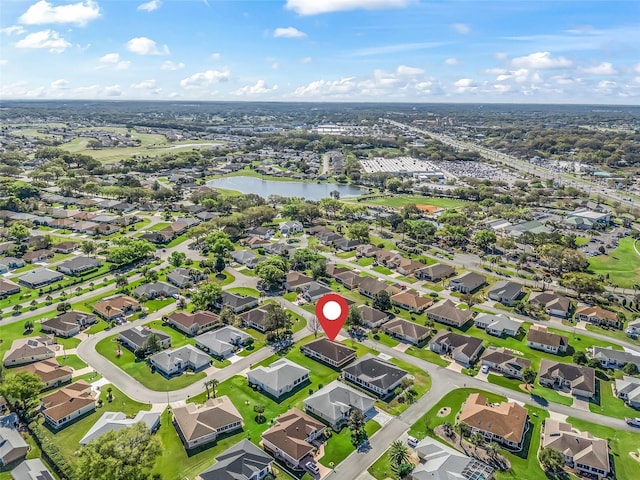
{"x": 312, "y": 467}
{"x": 412, "y": 442}
{"x": 485, "y": 369}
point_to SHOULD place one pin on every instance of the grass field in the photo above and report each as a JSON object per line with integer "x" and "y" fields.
{"x": 622, "y": 264}
{"x": 402, "y": 200}
{"x": 538, "y": 390}
{"x": 245, "y": 291}
{"x": 72, "y": 361}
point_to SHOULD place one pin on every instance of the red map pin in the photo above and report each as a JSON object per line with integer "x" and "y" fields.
{"x": 332, "y": 311}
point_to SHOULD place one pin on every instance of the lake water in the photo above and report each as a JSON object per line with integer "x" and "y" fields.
{"x": 264, "y": 188}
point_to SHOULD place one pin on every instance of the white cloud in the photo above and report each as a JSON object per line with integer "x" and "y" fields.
{"x": 112, "y": 91}
{"x": 495, "y": 71}
{"x": 404, "y": 70}
{"x": 288, "y": 32}
{"x": 144, "y": 85}
{"x": 215, "y": 56}
{"x": 44, "y": 12}
{"x": 541, "y": 60}
{"x": 605, "y": 68}
{"x": 321, "y": 88}
{"x": 110, "y": 58}
{"x": 146, "y": 46}
{"x": 306, "y": 59}
{"x": 13, "y": 30}
{"x": 3, "y": 61}
{"x": 396, "y": 48}
{"x": 452, "y": 61}
{"x": 275, "y": 65}
{"x": 502, "y": 88}
{"x": 315, "y": 7}
{"x": 464, "y": 85}
{"x": 204, "y": 79}
{"x": 259, "y": 88}
{"x": 44, "y": 39}
{"x": 150, "y": 6}
{"x": 169, "y": 65}
{"x": 501, "y": 55}
{"x": 123, "y": 65}
{"x": 60, "y": 84}
{"x": 461, "y": 28}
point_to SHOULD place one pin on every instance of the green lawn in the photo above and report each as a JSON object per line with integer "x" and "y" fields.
{"x": 340, "y": 447}
{"x": 245, "y": 291}
{"x": 615, "y": 333}
{"x": 382, "y": 270}
{"x": 68, "y": 343}
{"x": 402, "y": 200}
{"x": 365, "y": 261}
{"x": 350, "y": 254}
{"x": 621, "y": 442}
{"x": 140, "y": 370}
{"x": 580, "y": 241}
{"x": 69, "y": 437}
{"x": 606, "y": 403}
{"x": 247, "y": 271}
{"x": 158, "y": 226}
{"x": 291, "y": 296}
{"x": 427, "y": 355}
{"x": 385, "y": 339}
{"x": 622, "y": 265}
{"x": 538, "y": 390}
{"x": 72, "y": 361}
{"x": 224, "y": 278}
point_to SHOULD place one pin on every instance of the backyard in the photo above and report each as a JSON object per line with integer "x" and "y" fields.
{"x": 621, "y": 266}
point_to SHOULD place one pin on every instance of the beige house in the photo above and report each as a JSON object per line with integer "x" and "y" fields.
{"x": 445, "y": 311}
{"x": 539, "y": 338}
{"x": 68, "y": 403}
{"x": 199, "y": 425}
{"x": 29, "y": 350}
{"x": 50, "y": 372}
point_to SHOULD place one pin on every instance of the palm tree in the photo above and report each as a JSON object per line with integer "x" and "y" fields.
{"x": 259, "y": 409}
{"x": 398, "y": 454}
{"x": 492, "y": 449}
{"x": 214, "y": 383}
{"x": 448, "y": 430}
{"x": 476, "y": 440}
{"x": 108, "y": 308}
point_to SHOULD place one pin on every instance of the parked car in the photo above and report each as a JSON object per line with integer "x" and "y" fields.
{"x": 412, "y": 442}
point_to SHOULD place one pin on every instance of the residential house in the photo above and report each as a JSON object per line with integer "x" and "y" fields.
{"x": 256, "y": 319}
{"x": 13, "y": 262}
{"x": 434, "y": 273}
{"x": 334, "y": 402}
{"x": 375, "y": 375}
{"x": 116, "y": 307}
{"x": 498, "y": 325}
{"x": 68, "y": 403}
{"x": 349, "y": 279}
{"x": 315, "y": 290}
{"x": 7, "y": 287}
{"x": 505, "y": 423}
{"x": 264, "y": 233}
{"x": 406, "y": 266}
{"x": 255, "y": 242}
{"x": 193, "y": 323}
{"x": 332, "y": 353}
{"x": 279, "y": 378}
{"x": 445, "y": 311}
{"x": 79, "y": 265}
{"x": 290, "y": 228}
{"x": 280, "y": 248}
{"x": 68, "y": 324}
{"x": 387, "y": 258}
{"x": 553, "y": 303}
{"x": 503, "y": 361}
{"x": 155, "y": 290}
{"x": 334, "y": 270}
{"x": 507, "y": 293}
{"x": 50, "y": 372}
{"x": 579, "y": 379}
{"x": 610, "y": 358}
{"x": 371, "y": 317}
{"x": 539, "y": 338}
{"x": 185, "y": 277}
{"x": 327, "y": 238}
{"x": 366, "y": 251}
{"x": 411, "y": 300}
{"x": 293, "y": 438}
{"x": 39, "y": 278}
{"x": 407, "y": 331}
{"x": 628, "y": 389}
{"x": 633, "y": 328}
{"x": 12, "y": 446}
{"x": 65, "y": 247}
{"x": 176, "y": 361}
{"x": 199, "y": 425}
{"x": 462, "y": 348}
{"x": 295, "y": 279}
{"x": 369, "y": 287}
{"x": 581, "y": 450}
{"x": 243, "y": 461}
{"x": 114, "y": 421}
{"x": 598, "y": 316}
{"x": 32, "y": 469}
{"x": 222, "y": 343}
{"x": 437, "y": 461}
{"x": 467, "y": 283}
{"x": 29, "y": 350}
{"x": 135, "y": 338}
{"x": 237, "y": 303}
{"x": 38, "y": 256}
{"x": 246, "y": 258}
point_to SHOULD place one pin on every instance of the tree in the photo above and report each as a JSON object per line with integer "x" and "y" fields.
{"x": 398, "y": 454}
{"x": 220, "y": 264}
{"x": 22, "y": 388}
{"x": 219, "y": 243}
{"x": 152, "y": 344}
{"x": 484, "y": 239}
{"x": 28, "y": 326}
{"x": 492, "y": 449}
{"x": 272, "y": 270}
{"x": 18, "y": 231}
{"x": 314, "y": 326}
{"x": 356, "y": 424}
{"x": 528, "y": 375}
{"x": 177, "y": 259}
{"x": 382, "y": 301}
{"x": 359, "y": 231}
{"x": 580, "y": 358}
{"x": 259, "y": 409}
{"x": 151, "y": 275}
{"x": 206, "y": 296}
{"x": 129, "y": 251}
{"x": 63, "y": 307}
{"x": 121, "y": 281}
{"x": 630, "y": 368}
{"x": 227, "y": 316}
{"x": 319, "y": 268}
{"x": 582, "y": 283}
{"x": 476, "y": 440}
{"x": 126, "y": 454}
{"x": 552, "y": 460}
{"x": 276, "y": 318}
{"x": 355, "y": 317}
{"x": 88, "y": 247}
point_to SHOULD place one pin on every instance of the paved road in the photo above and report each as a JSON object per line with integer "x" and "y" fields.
{"x": 446, "y": 294}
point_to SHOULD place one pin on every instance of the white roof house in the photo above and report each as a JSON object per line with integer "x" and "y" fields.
{"x": 116, "y": 421}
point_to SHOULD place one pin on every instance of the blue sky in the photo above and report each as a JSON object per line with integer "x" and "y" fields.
{"x": 333, "y": 50}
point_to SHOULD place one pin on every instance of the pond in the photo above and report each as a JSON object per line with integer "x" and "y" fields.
{"x": 264, "y": 188}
